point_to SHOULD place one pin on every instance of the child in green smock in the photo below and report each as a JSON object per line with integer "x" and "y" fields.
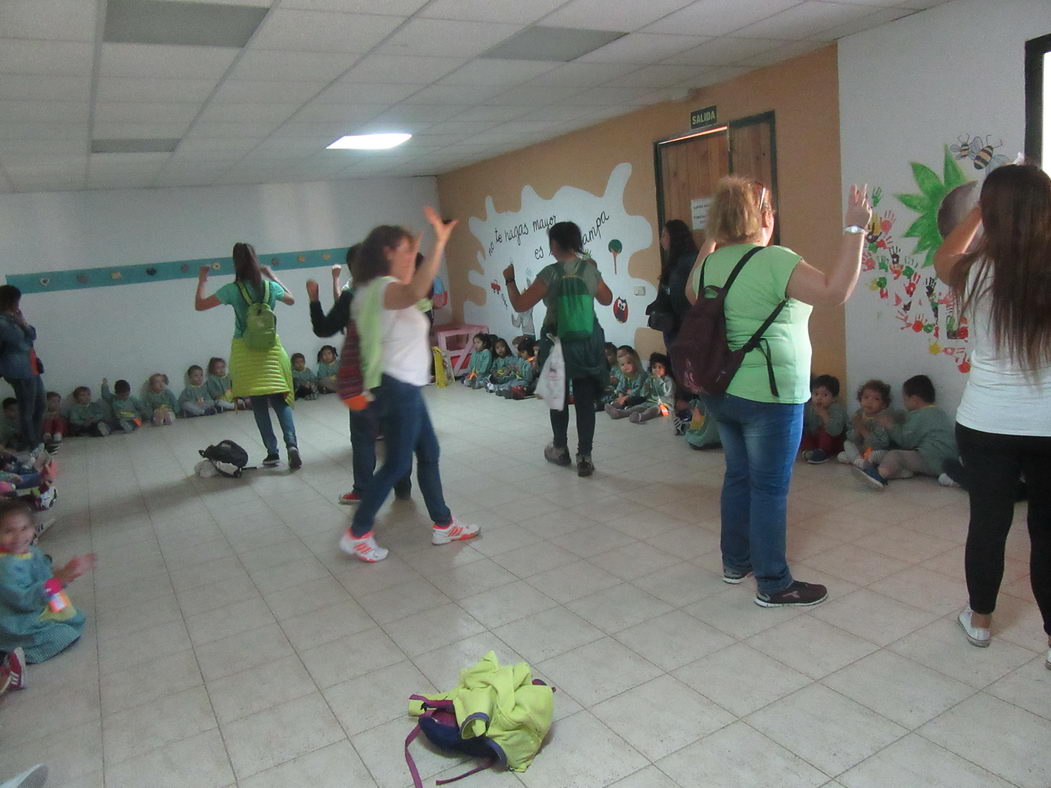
{"x": 659, "y": 391}
{"x": 504, "y": 367}
{"x": 220, "y": 387}
{"x": 327, "y": 369}
{"x": 480, "y": 364}
{"x": 303, "y": 378}
{"x": 87, "y": 417}
{"x": 195, "y": 399}
{"x": 159, "y": 401}
{"x": 868, "y": 436}
{"x": 128, "y": 411}
{"x": 628, "y": 397}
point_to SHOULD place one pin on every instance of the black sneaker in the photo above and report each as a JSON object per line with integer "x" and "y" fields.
{"x": 557, "y": 456}
{"x": 735, "y": 576}
{"x": 799, "y": 594}
{"x": 295, "y": 462}
{"x": 271, "y": 461}
{"x": 585, "y": 467}
{"x": 816, "y": 456}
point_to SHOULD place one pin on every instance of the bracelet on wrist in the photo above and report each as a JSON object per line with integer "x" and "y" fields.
{"x": 854, "y": 229}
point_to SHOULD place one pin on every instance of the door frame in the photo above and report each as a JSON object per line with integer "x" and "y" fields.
{"x": 657, "y": 168}
{"x": 751, "y": 120}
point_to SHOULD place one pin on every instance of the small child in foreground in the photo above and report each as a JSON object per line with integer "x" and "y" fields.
{"x": 126, "y": 409}
{"x": 659, "y": 391}
{"x": 824, "y": 421}
{"x": 628, "y": 397}
{"x": 37, "y": 619}
{"x": 327, "y": 369}
{"x": 477, "y": 372}
{"x": 159, "y": 401}
{"x": 195, "y": 399}
{"x": 87, "y": 417}
{"x": 54, "y": 422}
{"x": 927, "y": 438}
{"x": 303, "y": 378}
{"x": 504, "y": 367}
{"x": 868, "y": 436}
{"x": 220, "y": 389}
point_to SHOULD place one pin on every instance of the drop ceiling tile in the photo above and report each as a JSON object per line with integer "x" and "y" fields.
{"x": 560, "y": 113}
{"x": 19, "y": 56}
{"x": 378, "y": 126}
{"x": 139, "y": 131}
{"x": 919, "y": 5}
{"x": 56, "y": 20}
{"x": 342, "y": 113}
{"x": 535, "y": 95}
{"x": 219, "y": 128}
{"x": 333, "y": 130}
{"x": 495, "y": 113}
{"x": 643, "y": 48}
{"x": 48, "y": 184}
{"x": 413, "y": 113}
{"x": 256, "y": 3}
{"x": 279, "y": 147}
{"x": 14, "y": 130}
{"x": 805, "y": 20}
{"x": 42, "y": 87}
{"x": 122, "y": 181}
{"x": 715, "y": 74}
{"x": 881, "y": 17}
{"x": 396, "y": 7}
{"x": 455, "y": 95}
{"x": 115, "y": 162}
{"x": 512, "y": 11}
{"x": 152, "y": 89}
{"x": 269, "y": 64}
{"x": 606, "y": 97}
{"x": 718, "y": 17}
{"x": 23, "y": 147}
{"x": 403, "y": 69}
{"x": 612, "y": 14}
{"x": 43, "y": 111}
{"x": 655, "y": 77}
{"x": 446, "y": 38}
{"x": 38, "y": 164}
{"x": 493, "y": 71}
{"x": 224, "y": 145}
{"x": 795, "y": 49}
{"x": 344, "y": 91}
{"x": 145, "y": 112}
{"x": 313, "y": 31}
{"x": 583, "y": 74}
{"x": 158, "y": 60}
{"x": 461, "y": 127}
{"x": 247, "y": 113}
{"x": 250, "y": 91}
{"x": 726, "y": 51}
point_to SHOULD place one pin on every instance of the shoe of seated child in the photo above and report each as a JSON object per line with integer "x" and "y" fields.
{"x": 816, "y": 456}
{"x": 946, "y": 481}
{"x": 871, "y": 477}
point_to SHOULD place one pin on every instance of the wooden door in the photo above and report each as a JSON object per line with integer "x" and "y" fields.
{"x": 688, "y": 169}
{"x": 752, "y": 153}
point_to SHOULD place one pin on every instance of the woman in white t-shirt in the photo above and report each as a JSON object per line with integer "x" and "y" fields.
{"x": 389, "y": 312}
{"x": 1003, "y": 425}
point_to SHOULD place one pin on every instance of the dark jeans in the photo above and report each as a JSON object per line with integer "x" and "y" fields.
{"x": 992, "y": 464}
{"x": 364, "y": 429}
{"x": 760, "y": 440}
{"x": 261, "y": 404}
{"x": 406, "y": 428}
{"x": 585, "y": 394}
{"x": 31, "y": 403}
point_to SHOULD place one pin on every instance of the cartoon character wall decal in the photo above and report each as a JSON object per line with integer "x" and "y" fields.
{"x": 496, "y": 288}
{"x": 615, "y": 247}
{"x": 620, "y": 310}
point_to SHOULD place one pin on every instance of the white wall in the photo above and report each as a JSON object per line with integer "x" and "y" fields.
{"x": 130, "y": 331}
{"x": 906, "y": 90}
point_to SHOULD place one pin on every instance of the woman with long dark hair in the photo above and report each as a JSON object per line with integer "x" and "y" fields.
{"x": 20, "y": 368}
{"x": 265, "y": 375}
{"x": 1003, "y": 425}
{"x": 678, "y": 254}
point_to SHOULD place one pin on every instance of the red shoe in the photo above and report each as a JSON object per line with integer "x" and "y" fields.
{"x": 15, "y": 666}
{"x": 350, "y": 498}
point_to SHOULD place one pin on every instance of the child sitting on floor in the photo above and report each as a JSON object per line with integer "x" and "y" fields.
{"x": 195, "y": 399}
{"x": 927, "y": 438}
{"x": 481, "y": 361}
{"x": 220, "y": 389}
{"x": 303, "y": 379}
{"x": 824, "y": 421}
{"x": 126, "y": 409}
{"x": 522, "y": 379}
{"x": 629, "y": 396}
{"x": 703, "y": 432}
{"x": 87, "y": 417}
{"x": 609, "y": 392}
{"x": 327, "y": 369}
{"x": 868, "y": 438}
{"x": 504, "y": 366}
{"x": 54, "y": 422}
{"x": 37, "y": 619}
{"x": 159, "y": 401}
{"x": 659, "y": 391}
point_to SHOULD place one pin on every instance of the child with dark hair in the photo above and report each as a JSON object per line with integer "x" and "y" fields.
{"x": 9, "y": 430}
{"x": 522, "y": 379}
{"x": 614, "y": 373}
{"x": 220, "y": 387}
{"x": 504, "y": 367}
{"x": 481, "y": 361}
{"x": 87, "y": 417}
{"x": 195, "y": 399}
{"x": 54, "y": 422}
{"x": 824, "y": 421}
{"x": 126, "y": 409}
{"x": 927, "y": 438}
{"x": 629, "y": 396}
{"x": 327, "y": 369}
{"x": 303, "y": 378}
{"x": 659, "y": 391}
{"x": 159, "y": 401}
{"x": 868, "y": 436}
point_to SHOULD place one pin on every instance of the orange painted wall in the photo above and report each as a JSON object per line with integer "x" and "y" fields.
{"x": 803, "y": 93}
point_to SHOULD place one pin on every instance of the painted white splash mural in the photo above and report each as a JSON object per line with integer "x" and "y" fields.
{"x": 611, "y": 237}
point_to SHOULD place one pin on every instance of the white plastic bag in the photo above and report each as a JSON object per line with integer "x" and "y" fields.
{"x": 551, "y": 386}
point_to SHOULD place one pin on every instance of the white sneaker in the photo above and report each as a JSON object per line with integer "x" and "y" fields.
{"x": 453, "y": 532}
{"x": 843, "y": 458}
{"x": 978, "y": 636}
{"x": 364, "y": 549}
{"x": 945, "y": 481}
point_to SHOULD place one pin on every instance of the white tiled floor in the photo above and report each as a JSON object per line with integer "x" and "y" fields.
{"x": 229, "y": 642}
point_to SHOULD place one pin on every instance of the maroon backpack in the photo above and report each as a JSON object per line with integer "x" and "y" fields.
{"x": 701, "y": 356}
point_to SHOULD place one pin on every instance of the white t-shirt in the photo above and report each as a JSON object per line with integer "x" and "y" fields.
{"x": 405, "y": 349}
{"x": 1000, "y": 397}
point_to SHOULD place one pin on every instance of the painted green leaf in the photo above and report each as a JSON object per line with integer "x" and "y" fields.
{"x": 927, "y": 180}
{"x": 954, "y": 176}
{"x": 915, "y": 202}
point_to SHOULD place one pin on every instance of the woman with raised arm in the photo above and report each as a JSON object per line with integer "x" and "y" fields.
{"x": 265, "y": 375}
{"x": 1003, "y": 425}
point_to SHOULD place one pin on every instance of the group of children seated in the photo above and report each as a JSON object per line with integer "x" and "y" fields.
{"x": 310, "y": 384}
{"x": 499, "y": 371}
{"x": 882, "y": 444}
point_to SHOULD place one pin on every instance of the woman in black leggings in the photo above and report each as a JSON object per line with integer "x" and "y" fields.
{"x": 583, "y": 351}
{"x": 1003, "y": 426}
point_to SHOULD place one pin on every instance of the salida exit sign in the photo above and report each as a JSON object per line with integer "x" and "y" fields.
{"x": 703, "y": 118}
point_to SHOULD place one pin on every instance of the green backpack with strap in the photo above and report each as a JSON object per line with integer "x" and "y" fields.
{"x": 260, "y": 332}
{"x": 574, "y": 305}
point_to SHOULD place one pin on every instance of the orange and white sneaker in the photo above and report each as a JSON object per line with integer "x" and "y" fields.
{"x": 364, "y": 548}
{"x": 453, "y": 532}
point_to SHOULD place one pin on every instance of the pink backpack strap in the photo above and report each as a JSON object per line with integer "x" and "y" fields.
{"x": 487, "y": 765}
{"x": 416, "y": 781}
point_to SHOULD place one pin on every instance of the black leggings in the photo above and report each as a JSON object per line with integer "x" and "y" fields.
{"x": 585, "y": 394}
{"x": 992, "y": 464}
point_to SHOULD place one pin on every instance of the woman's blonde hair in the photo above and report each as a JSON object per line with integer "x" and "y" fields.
{"x": 736, "y": 212}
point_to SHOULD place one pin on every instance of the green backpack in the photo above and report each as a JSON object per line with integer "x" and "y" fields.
{"x": 574, "y": 306}
{"x": 260, "y": 331}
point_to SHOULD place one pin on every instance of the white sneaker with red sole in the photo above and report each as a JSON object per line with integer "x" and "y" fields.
{"x": 364, "y": 548}
{"x": 15, "y": 666}
{"x": 349, "y": 498}
{"x": 453, "y": 532}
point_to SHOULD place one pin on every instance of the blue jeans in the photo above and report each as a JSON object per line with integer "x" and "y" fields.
{"x": 30, "y": 395}
{"x": 760, "y": 440}
{"x": 406, "y": 428}
{"x": 261, "y": 404}
{"x": 364, "y": 429}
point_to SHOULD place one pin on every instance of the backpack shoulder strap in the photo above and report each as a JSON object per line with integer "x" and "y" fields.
{"x": 740, "y": 265}
{"x": 244, "y": 293}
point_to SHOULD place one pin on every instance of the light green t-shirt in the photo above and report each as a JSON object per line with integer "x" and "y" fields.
{"x": 230, "y": 294}
{"x": 758, "y": 289}
{"x": 550, "y": 274}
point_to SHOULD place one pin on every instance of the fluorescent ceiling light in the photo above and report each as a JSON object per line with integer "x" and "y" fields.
{"x": 369, "y": 141}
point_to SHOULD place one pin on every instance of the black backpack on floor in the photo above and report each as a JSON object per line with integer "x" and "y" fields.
{"x": 227, "y": 457}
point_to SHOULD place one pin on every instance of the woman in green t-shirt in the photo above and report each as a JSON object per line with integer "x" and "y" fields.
{"x": 760, "y": 416}
{"x": 585, "y": 356}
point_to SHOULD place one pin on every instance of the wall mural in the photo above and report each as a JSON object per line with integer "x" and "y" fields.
{"x": 905, "y": 281}
{"x": 611, "y": 237}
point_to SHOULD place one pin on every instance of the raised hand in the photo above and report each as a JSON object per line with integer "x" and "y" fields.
{"x": 313, "y": 292}
{"x": 202, "y": 272}
{"x": 859, "y": 208}
{"x": 509, "y": 273}
{"x": 337, "y": 270}
{"x": 442, "y": 228}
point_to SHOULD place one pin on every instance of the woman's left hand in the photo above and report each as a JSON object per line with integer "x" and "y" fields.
{"x": 442, "y": 228}
{"x": 202, "y": 272}
{"x": 509, "y": 273}
{"x": 859, "y": 209}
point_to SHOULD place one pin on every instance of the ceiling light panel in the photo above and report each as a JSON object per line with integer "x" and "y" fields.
{"x": 625, "y": 17}
{"x": 267, "y": 64}
{"x": 718, "y": 17}
{"x": 439, "y": 37}
{"x": 186, "y": 24}
{"x": 168, "y": 62}
{"x": 559, "y": 44}
{"x": 56, "y": 20}
{"x": 643, "y": 48}
{"x": 805, "y": 19}
{"x": 313, "y": 31}
{"x": 45, "y": 57}
{"x": 406, "y": 69}
{"x": 511, "y": 11}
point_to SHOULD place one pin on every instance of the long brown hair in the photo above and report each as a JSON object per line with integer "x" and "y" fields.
{"x": 246, "y": 266}
{"x": 1012, "y": 263}
{"x": 371, "y": 260}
